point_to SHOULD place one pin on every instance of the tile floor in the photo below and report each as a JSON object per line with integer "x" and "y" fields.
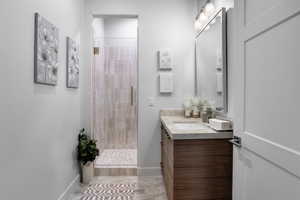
{"x": 117, "y": 158}
{"x": 123, "y": 188}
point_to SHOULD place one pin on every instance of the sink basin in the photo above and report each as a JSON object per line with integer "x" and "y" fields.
{"x": 189, "y": 126}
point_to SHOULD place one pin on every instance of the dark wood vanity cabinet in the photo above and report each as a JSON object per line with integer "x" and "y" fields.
{"x": 199, "y": 169}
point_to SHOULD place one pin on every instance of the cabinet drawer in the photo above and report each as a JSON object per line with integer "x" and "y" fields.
{"x": 203, "y": 147}
{"x": 204, "y": 162}
{"x": 204, "y": 188}
{"x": 200, "y": 153}
{"x": 220, "y": 167}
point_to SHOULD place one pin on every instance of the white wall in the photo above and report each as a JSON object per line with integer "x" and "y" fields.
{"x": 120, "y": 27}
{"x": 39, "y": 124}
{"x": 110, "y": 26}
{"x": 98, "y": 27}
{"x": 162, "y": 24}
{"x": 115, "y": 30}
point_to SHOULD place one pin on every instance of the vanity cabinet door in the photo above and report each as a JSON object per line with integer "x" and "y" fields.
{"x": 202, "y": 169}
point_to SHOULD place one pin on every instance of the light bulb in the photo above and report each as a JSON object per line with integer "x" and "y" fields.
{"x": 203, "y": 17}
{"x": 197, "y": 25}
{"x": 209, "y": 8}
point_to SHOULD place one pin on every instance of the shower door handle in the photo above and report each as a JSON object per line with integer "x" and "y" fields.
{"x": 131, "y": 95}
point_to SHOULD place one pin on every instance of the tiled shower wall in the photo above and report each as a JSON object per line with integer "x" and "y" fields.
{"x": 114, "y": 92}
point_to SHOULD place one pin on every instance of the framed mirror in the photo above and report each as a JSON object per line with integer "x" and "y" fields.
{"x": 211, "y": 61}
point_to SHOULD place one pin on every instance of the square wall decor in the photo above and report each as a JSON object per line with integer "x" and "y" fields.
{"x": 46, "y": 45}
{"x": 72, "y": 64}
{"x": 165, "y": 59}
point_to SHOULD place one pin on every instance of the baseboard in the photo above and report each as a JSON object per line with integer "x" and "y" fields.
{"x": 149, "y": 171}
{"x": 71, "y": 188}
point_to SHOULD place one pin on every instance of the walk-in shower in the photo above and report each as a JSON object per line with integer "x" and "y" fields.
{"x": 114, "y": 88}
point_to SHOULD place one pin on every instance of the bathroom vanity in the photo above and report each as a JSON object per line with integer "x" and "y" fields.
{"x": 196, "y": 161}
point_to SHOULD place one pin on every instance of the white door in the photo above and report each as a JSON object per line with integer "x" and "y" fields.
{"x": 267, "y": 118}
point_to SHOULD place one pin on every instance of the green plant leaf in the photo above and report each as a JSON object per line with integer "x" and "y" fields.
{"x": 87, "y": 148}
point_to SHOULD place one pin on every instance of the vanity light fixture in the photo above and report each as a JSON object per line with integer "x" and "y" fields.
{"x": 198, "y": 25}
{"x": 209, "y": 8}
{"x": 203, "y": 17}
{"x": 206, "y": 12}
{"x": 200, "y": 20}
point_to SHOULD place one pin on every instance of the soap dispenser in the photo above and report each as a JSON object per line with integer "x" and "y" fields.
{"x": 187, "y": 108}
{"x": 206, "y": 113}
{"x": 195, "y": 107}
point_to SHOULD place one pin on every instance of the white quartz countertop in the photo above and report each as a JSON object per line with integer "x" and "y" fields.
{"x": 170, "y": 123}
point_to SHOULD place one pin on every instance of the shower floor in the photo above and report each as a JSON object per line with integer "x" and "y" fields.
{"x": 117, "y": 158}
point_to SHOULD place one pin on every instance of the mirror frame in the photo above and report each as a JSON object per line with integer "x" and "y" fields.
{"x": 224, "y": 57}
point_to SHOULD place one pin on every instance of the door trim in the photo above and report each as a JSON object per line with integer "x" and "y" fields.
{"x": 281, "y": 156}
{"x": 90, "y": 18}
{"x": 271, "y": 18}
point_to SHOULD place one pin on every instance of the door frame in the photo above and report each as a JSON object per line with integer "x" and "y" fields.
{"x": 91, "y": 71}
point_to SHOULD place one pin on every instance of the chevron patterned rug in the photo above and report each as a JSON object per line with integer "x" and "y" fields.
{"x": 109, "y": 192}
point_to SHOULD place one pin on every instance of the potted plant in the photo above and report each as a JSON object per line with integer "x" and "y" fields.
{"x": 87, "y": 152}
